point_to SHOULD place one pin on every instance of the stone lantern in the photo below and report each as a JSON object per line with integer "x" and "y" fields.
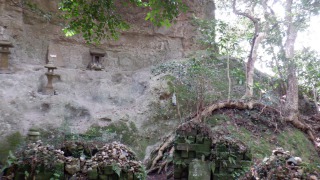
{"x": 4, "y": 52}
{"x": 96, "y": 59}
{"x": 48, "y": 90}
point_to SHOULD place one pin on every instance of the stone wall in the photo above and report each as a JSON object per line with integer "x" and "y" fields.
{"x": 198, "y": 155}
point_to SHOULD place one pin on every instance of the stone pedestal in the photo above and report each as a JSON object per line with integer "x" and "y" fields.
{"x": 4, "y": 56}
{"x": 199, "y": 170}
{"x": 49, "y": 87}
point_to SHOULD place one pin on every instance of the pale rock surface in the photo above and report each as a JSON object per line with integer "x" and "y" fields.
{"x": 123, "y": 91}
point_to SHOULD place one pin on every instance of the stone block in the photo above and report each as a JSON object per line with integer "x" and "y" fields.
{"x": 199, "y": 155}
{"x": 93, "y": 174}
{"x": 103, "y": 177}
{"x": 184, "y": 154}
{"x": 199, "y": 139}
{"x": 205, "y": 148}
{"x": 207, "y": 141}
{"x": 223, "y": 176}
{"x": 177, "y": 156}
{"x": 199, "y": 170}
{"x": 128, "y": 176}
{"x": 191, "y": 139}
{"x": 185, "y": 147}
{"x": 177, "y": 172}
{"x": 180, "y": 139}
{"x": 192, "y": 154}
{"x": 108, "y": 170}
{"x": 73, "y": 167}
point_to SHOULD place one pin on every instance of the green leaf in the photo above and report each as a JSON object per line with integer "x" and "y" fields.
{"x": 116, "y": 168}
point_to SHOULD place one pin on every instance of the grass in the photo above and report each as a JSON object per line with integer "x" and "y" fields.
{"x": 298, "y": 144}
{"x": 10, "y": 143}
{"x": 290, "y": 139}
{"x": 217, "y": 119}
{"x": 259, "y": 146}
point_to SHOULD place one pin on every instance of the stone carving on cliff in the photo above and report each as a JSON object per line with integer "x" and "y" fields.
{"x": 96, "y": 59}
{"x": 4, "y": 54}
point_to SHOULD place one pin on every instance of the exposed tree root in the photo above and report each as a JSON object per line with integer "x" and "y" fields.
{"x": 163, "y": 147}
{"x": 232, "y": 104}
{"x": 158, "y": 163}
{"x": 165, "y": 163}
{"x": 294, "y": 119}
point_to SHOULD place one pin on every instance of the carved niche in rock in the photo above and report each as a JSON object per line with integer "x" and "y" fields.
{"x": 96, "y": 59}
{"x": 4, "y": 53}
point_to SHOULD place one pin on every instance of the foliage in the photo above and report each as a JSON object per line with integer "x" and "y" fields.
{"x": 220, "y": 37}
{"x": 240, "y": 172}
{"x": 308, "y": 62}
{"x": 103, "y": 19}
{"x": 142, "y": 174}
{"x": 297, "y": 143}
{"x": 197, "y": 82}
{"x": 11, "y": 160}
{"x": 116, "y": 168}
{"x": 259, "y": 147}
{"x": 216, "y": 119}
{"x": 193, "y": 81}
{"x": 10, "y": 143}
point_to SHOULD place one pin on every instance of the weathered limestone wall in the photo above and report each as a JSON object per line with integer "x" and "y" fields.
{"x": 122, "y": 91}
{"x": 143, "y": 45}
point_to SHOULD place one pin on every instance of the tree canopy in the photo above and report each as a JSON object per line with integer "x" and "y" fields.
{"x": 97, "y": 19}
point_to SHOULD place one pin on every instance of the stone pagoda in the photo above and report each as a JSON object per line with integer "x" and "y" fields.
{"x": 48, "y": 89}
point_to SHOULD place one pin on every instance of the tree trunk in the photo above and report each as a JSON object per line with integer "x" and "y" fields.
{"x": 250, "y": 65}
{"x": 257, "y": 38}
{"x": 291, "y": 105}
{"x": 228, "y": 75}
{"x": 315, "y": 95}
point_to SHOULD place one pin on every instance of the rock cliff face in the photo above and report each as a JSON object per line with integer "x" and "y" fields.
{"x": 143, "y": 45}
{"x": 122, "y": 91}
